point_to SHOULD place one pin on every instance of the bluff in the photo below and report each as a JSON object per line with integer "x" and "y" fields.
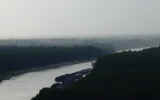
{"x": 119, "y": 76}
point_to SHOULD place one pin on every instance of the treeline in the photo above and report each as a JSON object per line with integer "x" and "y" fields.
{"x": 120, "y": 76}
{"x": 13, "y": 58}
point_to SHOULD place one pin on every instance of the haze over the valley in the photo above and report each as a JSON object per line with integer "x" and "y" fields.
{"x": 77, "y": 18}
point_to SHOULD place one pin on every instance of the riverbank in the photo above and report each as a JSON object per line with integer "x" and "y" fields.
{"x": 12, "y": 74}
{"x": 124, "y": 76}
{"x": 18, "y": 60}
{"x": 28, "y": 85}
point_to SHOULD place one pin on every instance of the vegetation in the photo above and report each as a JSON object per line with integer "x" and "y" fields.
{"x": 13, "y": 58}
{"x": 120, "y": 76}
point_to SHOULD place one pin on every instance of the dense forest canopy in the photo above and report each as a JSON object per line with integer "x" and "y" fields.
{"x": 126, "y": 76}
{"x": 14, "y": 58}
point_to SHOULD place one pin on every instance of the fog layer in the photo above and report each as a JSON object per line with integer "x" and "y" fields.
{"x": 77, "y": 18}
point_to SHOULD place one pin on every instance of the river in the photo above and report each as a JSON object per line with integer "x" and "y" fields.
{"x": 26, "y": 86}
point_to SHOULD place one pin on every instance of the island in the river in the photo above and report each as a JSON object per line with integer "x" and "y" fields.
{"x": 120, "y": 76}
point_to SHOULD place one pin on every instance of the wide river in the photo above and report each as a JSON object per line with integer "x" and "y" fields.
{"x": 26, "y": 86}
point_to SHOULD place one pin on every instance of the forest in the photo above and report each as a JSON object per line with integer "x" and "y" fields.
{"x": 119, "y": 76}
{"x": 15, "y": 58}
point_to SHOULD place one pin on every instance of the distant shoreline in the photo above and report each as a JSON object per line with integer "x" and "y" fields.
{"x": 13, "y": 74}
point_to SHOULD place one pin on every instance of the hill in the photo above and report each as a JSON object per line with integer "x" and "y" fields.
{"x": 120, "y": 76}
{"x": 13, "y": 58}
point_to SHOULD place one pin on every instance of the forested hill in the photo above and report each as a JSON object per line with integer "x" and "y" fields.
{"x": 120, "y": 76}
{"x": 13, "y": 58}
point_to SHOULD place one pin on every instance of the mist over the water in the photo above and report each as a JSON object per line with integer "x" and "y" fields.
{"x": 77, "y": 18}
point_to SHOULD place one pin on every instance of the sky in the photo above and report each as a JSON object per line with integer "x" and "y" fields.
{"x": 77, "y": 18}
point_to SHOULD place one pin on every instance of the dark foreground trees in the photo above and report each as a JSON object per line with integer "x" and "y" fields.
{"x": 121, "y": 76}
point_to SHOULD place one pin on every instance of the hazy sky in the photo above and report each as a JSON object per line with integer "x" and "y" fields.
{"x": 71, "y": 18}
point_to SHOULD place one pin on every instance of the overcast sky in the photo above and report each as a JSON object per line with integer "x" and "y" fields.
{"x": 77, "y": 18}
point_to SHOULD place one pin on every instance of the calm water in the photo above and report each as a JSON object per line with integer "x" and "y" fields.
{"x": 26, "y": 86}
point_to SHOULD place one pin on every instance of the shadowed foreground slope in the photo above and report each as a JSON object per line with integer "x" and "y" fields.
{"x": 121, "y": 76}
